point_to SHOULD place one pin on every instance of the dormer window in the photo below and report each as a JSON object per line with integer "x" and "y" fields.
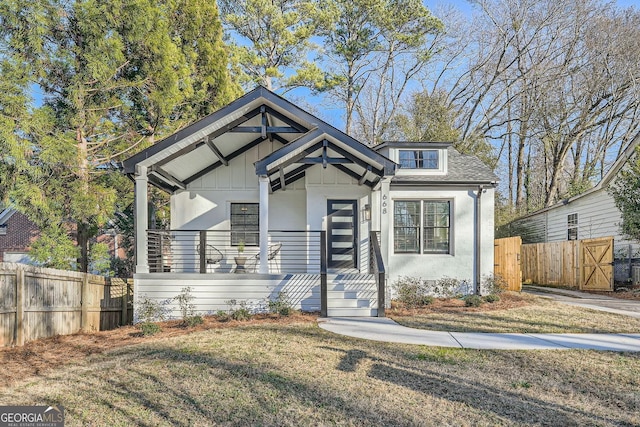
{"x": 419, "y": 159}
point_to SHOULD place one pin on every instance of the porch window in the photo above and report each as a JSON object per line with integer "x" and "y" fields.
{"x": 572, "y": 226}
{"x": 245, "y": 226}
{"x": 422, "y": 226}
{"x": 419, "y": 159}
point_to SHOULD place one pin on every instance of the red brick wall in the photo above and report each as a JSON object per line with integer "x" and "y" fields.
{"x": 20, "y": 233}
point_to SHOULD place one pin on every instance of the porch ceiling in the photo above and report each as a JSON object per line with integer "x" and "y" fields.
{"x": 300, "y": 141}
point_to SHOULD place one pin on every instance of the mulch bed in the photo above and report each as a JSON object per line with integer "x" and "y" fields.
{"x": 38, "y": 357}
{"x": 507, "y": 301}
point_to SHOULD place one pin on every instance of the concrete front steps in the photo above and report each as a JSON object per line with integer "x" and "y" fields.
{"x": 352, "y": 295}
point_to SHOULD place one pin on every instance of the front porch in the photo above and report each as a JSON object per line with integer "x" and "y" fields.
{"x": 298, "y": 266}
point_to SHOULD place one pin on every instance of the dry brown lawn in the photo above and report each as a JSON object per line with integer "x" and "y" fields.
{"x": 287, "y": 371}
{"x": 514, "y": 313}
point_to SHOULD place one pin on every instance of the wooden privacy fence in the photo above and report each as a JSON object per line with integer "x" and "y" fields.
{"x": 583, "y": 264}
{"x": 506, "y": 261}
{"x": 38, "y": 302}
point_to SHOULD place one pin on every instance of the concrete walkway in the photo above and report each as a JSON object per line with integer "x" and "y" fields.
{"x": 384, "y": 329}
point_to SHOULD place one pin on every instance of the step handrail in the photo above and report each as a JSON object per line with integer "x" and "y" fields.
{"x": 377, "y": 268}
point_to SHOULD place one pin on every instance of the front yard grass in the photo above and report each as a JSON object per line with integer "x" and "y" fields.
{"x": 296, "y": 374}
{"x": 514, "y": 313}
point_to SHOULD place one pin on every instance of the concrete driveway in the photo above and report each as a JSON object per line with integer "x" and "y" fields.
{"x": 582, "y": 299}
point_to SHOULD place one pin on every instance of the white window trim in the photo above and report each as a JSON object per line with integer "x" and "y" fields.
{"x": 577, "y": 226}
{"x": 421, "y": 231}
{"x": 442, "y": 162}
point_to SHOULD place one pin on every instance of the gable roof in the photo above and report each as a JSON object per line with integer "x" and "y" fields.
{"x": 5, "y": 215}
{"x": 259, "y": 115}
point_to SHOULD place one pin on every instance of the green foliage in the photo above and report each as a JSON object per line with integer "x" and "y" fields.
{"x": 280, "y": 305}
{"x": 55, "y": 249}
{"x": 222, "y": 316}
{"x": 447, "y": 287}
{"x": 149, "y": 310}
{"x": 494, "y": 284}
{"x": 428, "y": 117}
{"x": 625, "y": 191}
{"x": 188, "y": 308}
{"x": 275, "y": 39}
{"x": 238, "y": 310}
{"x": 472, "y": 301}
{"x": 114, "y": 76}
{"x": 100, "y": 259}
{"x": 376, "y": 47}
{"x": 149, "y": 328}
{"x": 411, "y": 291}
{"x": 492, "y": 298}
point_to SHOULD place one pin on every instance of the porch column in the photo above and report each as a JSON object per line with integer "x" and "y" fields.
{"x": 386, "y": 216}
{"x": 264, "y": 223}
{"x": 141, "y": 219}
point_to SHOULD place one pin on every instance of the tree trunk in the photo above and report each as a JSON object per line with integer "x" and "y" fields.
{"x": 83, "y": 243}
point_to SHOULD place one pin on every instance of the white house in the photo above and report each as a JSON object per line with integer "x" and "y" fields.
{"x": 283, "y": 202}
{"x": 589, "y": 215}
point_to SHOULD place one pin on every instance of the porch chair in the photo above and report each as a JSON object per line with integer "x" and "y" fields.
{"x": 212, "y": 255}
{"x": 252, "y": 263}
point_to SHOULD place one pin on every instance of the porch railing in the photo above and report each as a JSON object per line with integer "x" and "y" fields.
{"x": 215, "y": 251}
{"x": 376, "y": 267}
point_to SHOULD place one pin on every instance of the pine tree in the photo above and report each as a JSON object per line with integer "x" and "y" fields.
{"x": 114, "y": 76}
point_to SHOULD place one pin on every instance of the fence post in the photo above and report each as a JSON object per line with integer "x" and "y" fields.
{"x": 19, "y": 325}
{"x": 84, "y": 303}
{"x": 125, "y": 301}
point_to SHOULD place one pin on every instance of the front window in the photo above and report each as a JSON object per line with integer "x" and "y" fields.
{"x": 419, "y": 159}
{"x": 422, "y": 226}
{"x": 406, "y": 226}
{"x": 572, "y": 227}
{"x": 436, "y": 227}
{"x": 245, "y": 226}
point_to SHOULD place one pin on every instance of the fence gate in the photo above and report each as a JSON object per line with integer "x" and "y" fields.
{"x": 507, "y": 261}
{"x": 596, "y": 264}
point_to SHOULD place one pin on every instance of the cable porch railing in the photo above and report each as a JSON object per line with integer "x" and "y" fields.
{"x": 230, "y": 251}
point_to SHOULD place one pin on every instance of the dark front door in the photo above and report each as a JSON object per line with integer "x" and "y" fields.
{"x": 342, "y": 233}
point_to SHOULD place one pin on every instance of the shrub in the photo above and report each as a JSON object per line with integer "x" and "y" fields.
{"x": 494, "y": 284}
{"x": 472, "y": 301}
{"x": 492, "y": 298}
{"x": 447, "y": 287}
{"x": 150, "y": 310}
{"x": 222, "y": 316}
{"x": 188, "y": 308}
{"x": 281, "y": 305}
{"x": 195, "y": 320}
{"x": 410, "y": 291}
{"x": 149, "y": 328}
{"x": 240, "y": 313}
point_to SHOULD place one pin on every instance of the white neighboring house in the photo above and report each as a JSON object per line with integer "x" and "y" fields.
{"x": 589, "y": 215}
{"x": 283, "y": 202}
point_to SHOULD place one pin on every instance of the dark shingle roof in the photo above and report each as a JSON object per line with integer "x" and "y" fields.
{"x": 461, "y": 169}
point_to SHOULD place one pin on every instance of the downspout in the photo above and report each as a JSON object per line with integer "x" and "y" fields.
{"x": 478, "y": 237}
